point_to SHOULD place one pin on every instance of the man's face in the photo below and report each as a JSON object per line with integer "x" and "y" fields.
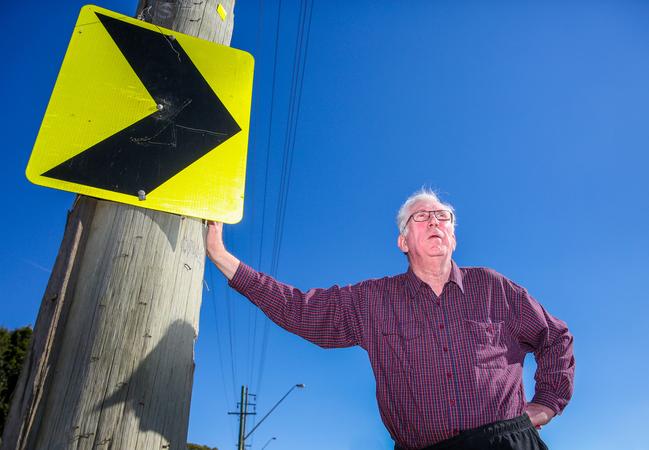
{"x": 427, "y": 239}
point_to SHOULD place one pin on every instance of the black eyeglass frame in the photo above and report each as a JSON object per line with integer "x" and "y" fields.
{"x": 434, "y": 213}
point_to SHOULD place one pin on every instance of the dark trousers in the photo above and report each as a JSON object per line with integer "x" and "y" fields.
{"x": 513, "y": 434}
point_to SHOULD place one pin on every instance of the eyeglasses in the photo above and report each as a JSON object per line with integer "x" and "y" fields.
{"x": 442, "y": 215}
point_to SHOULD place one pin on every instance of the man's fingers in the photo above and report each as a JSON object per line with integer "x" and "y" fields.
{"x": 538, "y": 420}
{"x": 539, "y": 414}
{"x": 216, "y": 251}
{"x": 215, "y": 226}
{"x": 214, "y": 240}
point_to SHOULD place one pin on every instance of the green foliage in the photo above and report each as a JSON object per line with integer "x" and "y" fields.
{"x": 13, "y": 349}
{"x": 199, "y": 447}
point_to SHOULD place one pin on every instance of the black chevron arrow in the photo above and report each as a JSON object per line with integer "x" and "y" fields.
{"x": 190, "y": 121}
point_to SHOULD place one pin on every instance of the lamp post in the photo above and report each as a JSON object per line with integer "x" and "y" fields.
{"x": 266, "y": 444}
{"x": 300, "y": 386}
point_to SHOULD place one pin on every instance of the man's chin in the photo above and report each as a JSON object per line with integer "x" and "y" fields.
{"x": 438, "y": 253}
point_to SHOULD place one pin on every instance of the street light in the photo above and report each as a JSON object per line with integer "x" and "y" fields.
{"x": 300, "y": 386}
{"x": 266, "y": 444}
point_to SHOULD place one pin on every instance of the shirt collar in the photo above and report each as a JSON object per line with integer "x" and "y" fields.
{"x": 413, "y": 283}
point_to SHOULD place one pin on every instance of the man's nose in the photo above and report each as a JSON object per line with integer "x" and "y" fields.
{"x": 432, "y": 221}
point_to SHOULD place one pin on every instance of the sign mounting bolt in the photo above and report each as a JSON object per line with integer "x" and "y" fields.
{"x": 141, "y": 195}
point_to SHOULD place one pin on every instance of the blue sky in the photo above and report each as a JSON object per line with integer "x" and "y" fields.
{"x": 529, "y": 117}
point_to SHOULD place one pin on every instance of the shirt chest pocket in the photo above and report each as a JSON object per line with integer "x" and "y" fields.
{"x": 400, "y": 346}
{"x": 488, "y": 341}
{"x": 401, "y": 331}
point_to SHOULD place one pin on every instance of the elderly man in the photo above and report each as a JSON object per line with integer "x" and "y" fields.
{"x": 446, "y": 343}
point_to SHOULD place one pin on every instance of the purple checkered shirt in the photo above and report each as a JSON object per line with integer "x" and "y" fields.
{"x": 442, "y": 363}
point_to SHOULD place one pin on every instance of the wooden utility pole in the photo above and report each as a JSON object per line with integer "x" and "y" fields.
{"x": 243, "y": 412}
{"x": 243, "y": 416}
{"x": 111, "y": 361}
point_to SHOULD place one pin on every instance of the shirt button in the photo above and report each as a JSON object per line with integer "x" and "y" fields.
{"x": 452, "y": 402}
{"x": 441, "y": 327}
{"x": 445, "y": 349}
{"x": 456, "y": 431}
{"x": 449, "y": 375}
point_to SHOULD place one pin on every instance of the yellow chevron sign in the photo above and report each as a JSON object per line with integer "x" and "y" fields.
{"x": 149, "y": 117}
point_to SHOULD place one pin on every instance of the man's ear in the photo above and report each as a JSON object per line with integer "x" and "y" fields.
{"x": 402, "y": 244}
{"x": 454, "y": 241}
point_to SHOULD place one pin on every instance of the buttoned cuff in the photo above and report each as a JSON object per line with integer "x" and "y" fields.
{"x": 550, "y": 400}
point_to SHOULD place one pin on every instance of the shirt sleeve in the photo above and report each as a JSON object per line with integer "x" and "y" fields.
{"x": 330, "y": 318}
{"x": 552, "y": 344}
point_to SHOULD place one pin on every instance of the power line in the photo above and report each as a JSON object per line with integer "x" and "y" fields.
{"x": 253, "y": 149}
{"x": 230, "y": 340}
{"x": 299, "y": 64}
{"x": 300, "y": 56}
{"x": 270, "y": 129}
{"x": 266, "y": 177}
{"x": 212, "y": 296}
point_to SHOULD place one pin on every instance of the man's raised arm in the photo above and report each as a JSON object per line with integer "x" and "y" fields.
{"x": 332, "y": 317}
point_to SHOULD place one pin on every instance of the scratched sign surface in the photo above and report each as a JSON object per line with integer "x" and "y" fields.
{"x": 149, "y": 117}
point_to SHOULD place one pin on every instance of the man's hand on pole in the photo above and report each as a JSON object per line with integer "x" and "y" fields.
{"x": 539, "y": 414}
{"x": 216, "y": 251}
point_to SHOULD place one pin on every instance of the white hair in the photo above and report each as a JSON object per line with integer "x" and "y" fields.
{"x": 423, "y": 194}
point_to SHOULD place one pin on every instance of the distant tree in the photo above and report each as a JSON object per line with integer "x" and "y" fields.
{"x": 199, "y": 447}
{"x": 13, "y": 349}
